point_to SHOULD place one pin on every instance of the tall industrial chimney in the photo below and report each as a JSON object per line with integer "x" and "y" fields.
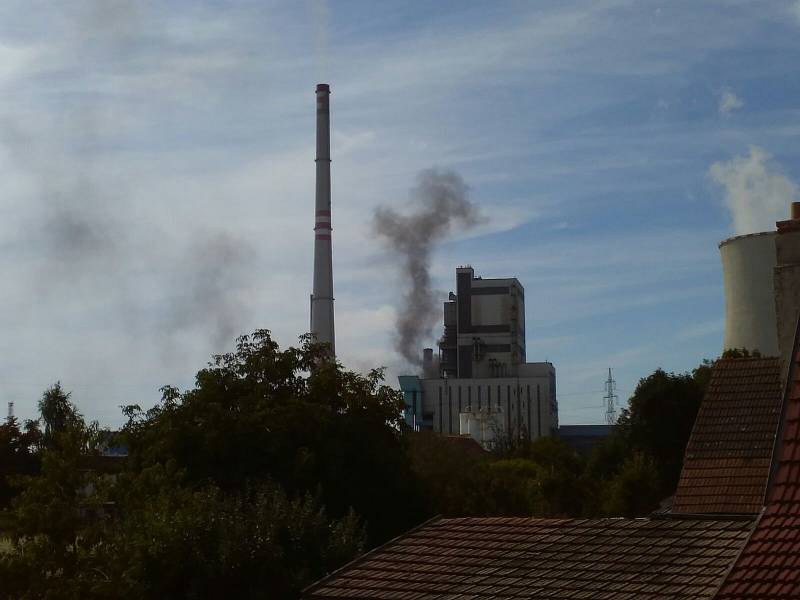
{"x": 322, "y": 296}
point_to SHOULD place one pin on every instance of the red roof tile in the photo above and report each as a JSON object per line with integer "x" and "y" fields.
{"x": 478, "y": 558}
{"x": 727, "y": 461}
{"x": 769, "y": 566}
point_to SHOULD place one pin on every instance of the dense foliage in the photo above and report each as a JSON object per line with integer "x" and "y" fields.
{"x": 279, "y": 466}
{"x": 628, "y": 474}
{"x": 17, "y": 456}
{"x": 287, "y": 415}
{"x": 276, "y": 468}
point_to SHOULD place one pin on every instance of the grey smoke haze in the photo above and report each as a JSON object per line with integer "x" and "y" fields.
{"x": 211, "y": 288}
{"x": 441, "y": 202}
{"x": 320, "y": 13}
{"x": 76, "y": 205}
{"x": 90, "y": 241}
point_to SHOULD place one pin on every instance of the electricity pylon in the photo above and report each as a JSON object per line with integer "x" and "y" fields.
{"x": 611, "y": 398}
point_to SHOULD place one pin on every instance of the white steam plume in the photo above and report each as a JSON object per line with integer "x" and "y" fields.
{"x": 756, "y": 193}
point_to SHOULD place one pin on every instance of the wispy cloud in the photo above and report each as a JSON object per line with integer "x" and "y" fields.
{"x": 729, "y": 102}
{"x": 178, "y": 138}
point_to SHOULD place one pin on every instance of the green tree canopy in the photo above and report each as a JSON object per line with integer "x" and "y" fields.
{"x": 57, "y": 413}
{"x": 289, "y": 415}
{"x": 17, "y": 457}
{"x": 277, "y": 467}
{"x": 635, "y": 490}
{"x": 660, "y": 417}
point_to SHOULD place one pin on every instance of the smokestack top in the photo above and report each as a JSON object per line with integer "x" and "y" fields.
{"x": 323, "y": 87}
{"x": 428, "y": 370}
{"x": 795, "y": 211}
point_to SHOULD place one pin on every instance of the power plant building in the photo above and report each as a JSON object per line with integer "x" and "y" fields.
{"x": 480, "y": 384}
{"x": 761, "y": 274}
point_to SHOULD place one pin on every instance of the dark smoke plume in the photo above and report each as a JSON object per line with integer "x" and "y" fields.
{"x": 441, "y": 201}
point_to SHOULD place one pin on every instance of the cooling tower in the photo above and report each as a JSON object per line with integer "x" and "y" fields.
{"x": 748, "y": 264}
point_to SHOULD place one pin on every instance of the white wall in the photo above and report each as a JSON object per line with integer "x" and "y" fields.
{"x": 535, "y": 414}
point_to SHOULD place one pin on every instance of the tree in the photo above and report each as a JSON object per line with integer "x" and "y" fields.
{"x": 452, "y": 475}
{"x": 171, "y": 541}
{"x": 543, "y": 478}
{"x": 293, "y": 417}
{"x": 561, "y": 486}
{"x": 16, "y": 457}
{"x": 635, "y": 491}
{"x": 49, "y": 524}
{"x": 660, "y": 417}
{"x": 221, "y": 524}
{"x": 57, "y": 413}
{"x": 204, "y": 543}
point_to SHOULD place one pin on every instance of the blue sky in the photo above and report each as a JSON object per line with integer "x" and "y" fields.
{"x": 157, "y": 161}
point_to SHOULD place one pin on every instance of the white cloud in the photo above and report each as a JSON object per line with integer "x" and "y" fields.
{"x": 756, "y": 193}
{"x": 729, "y": 102}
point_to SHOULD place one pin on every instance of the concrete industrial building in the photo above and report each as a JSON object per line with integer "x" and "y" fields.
{"x": 761, "y": 273}
{"x": 481, "y": 384}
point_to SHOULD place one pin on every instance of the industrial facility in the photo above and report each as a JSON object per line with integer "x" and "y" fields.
{"x": 479, "y": 383}
{"x": 322, "y": 296}
{"x": 761, "y": 273}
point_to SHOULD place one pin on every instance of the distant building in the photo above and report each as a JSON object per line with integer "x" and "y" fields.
{"x": 582, "y": 438}
{"x": 480, "y": 383}
{"x": 484, "y": 328}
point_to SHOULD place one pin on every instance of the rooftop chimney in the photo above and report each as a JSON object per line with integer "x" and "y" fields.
{"x": 322, "y": 296}
{"x": 795, "y": 211}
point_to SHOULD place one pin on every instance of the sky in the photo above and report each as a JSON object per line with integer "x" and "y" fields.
{"x": 157, "y": 162}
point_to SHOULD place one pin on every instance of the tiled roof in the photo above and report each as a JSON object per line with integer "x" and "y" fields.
{"x": 727, "y": 460}
{"x": 611, "y": 559}
{"x": 769, "y": 566}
